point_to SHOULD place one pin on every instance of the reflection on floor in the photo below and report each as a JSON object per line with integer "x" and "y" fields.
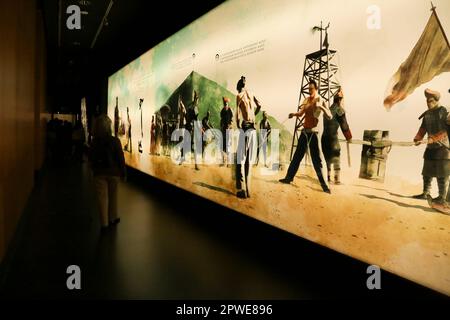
{"x": 170, "y": 244}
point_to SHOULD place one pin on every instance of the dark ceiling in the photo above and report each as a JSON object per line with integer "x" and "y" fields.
{"x": 79, "y": 66}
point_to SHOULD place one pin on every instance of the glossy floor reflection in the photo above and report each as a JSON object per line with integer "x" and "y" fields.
{"x": 170, "y": 244}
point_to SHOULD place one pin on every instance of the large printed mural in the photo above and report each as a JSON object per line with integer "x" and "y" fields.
{"x": 325, "y": 119}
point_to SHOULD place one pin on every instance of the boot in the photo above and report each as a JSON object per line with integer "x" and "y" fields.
{"x": 241, "y": 194}
{"x": 426, "y": 189}
{"x": 421, "y": 196}
{"x": 337, "y": 179}
{"x": 285, "y": 180}
{"x": 224, "y": 159}
{"x": 442, "y": 186}
{"x": 439, "y": 200}
{"x": 324, "y": 185}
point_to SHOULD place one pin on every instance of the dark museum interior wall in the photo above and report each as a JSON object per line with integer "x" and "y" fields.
{"x": 22, "y": 101}
{"x": 79, "y": 63}
{"x": 46, "y": 68}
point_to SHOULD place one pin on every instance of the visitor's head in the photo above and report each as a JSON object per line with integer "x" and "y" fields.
{"x": 102, "y": 127}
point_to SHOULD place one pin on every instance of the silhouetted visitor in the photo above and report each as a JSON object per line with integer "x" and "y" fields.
{"x": 108, "y": 165}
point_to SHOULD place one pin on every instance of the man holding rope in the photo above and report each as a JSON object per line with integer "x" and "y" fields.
{"x": 330, "y": 144}
{"x": 436, "y": 157}
{"x": 311, "y": 108}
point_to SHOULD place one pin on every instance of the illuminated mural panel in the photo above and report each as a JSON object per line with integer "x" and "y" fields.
{"x": 371, "y": 71}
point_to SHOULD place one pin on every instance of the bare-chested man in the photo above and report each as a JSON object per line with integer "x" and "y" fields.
{"x": 245, "y": 120}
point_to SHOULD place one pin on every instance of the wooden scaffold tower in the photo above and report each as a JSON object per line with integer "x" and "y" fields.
{"x": 321, "y": 67}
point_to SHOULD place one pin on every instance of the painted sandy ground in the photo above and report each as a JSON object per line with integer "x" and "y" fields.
{"x": 377, "y": 223}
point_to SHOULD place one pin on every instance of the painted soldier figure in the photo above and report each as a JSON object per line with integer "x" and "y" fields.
{"x": 206, "y": 125}
{"x": 153, "y": 136}
{"x": 128, "y": 146}
{"x": 311, "y": 108}
{"x": 330, "y": 143}
{"x": 265, "y": 129}
{"x": 158, "y": 133}
{"x": 436, "y": 157}
{"x": 181, "y": 123}
{"x": 194, "y": 126}
{"x": 226, "y": 121}
{"x": 245, "y": 120}
{"x": 116, "y": 118}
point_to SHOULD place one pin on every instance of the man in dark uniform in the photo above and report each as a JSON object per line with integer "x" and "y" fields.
{"x": 116, "y": 118}
{"x": 158, "y": 133}
{"x": 153, "y": 136}
{"x": 330, "y": 143}
{"x": 226, "y": 120}
{"x": 206, "y": 125}
{"x": 181, "y": 123}
{"x": 128, "y": 147}
{"x": 311, "y": 108}
{"x": 265, "y": 129}
{"x": 194, "y": 126}
{"x": 436, "y": 156}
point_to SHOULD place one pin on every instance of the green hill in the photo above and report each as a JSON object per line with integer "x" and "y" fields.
{"x": 210, "y": 98}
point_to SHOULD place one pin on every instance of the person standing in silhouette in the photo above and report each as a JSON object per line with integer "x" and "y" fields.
{"x": 108, "y": 166}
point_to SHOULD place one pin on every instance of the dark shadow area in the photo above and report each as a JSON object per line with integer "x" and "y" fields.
{"x": 308, "y": 178}
{"x": 215, "y": 188}
{"x": 400, "y": 195}
{"x": 398, "y": 203}
{"x": 171, "y": 244}
{"x": 315, "y": 189}
{"x": 362, "y": 186}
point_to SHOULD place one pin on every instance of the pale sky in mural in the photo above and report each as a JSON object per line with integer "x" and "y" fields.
{"x": 367, "y": 59}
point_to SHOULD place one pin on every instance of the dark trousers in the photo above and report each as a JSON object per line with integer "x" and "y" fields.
{"x": 302, "y": 145}
{"x": 244, "y": 157}
{"x": 129, "y": 146}
{"x": 442, "y": 186}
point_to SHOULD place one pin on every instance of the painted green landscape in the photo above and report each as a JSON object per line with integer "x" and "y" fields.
{"x": 210, "y": 99}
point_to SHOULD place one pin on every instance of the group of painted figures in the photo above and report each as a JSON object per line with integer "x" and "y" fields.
{"x": 435, "y": 123}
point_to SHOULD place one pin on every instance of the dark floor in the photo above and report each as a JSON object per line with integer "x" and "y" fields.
{"x": 170, "y": 244}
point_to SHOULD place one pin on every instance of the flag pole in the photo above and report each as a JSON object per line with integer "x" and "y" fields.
{"x": 433, "y": 8}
